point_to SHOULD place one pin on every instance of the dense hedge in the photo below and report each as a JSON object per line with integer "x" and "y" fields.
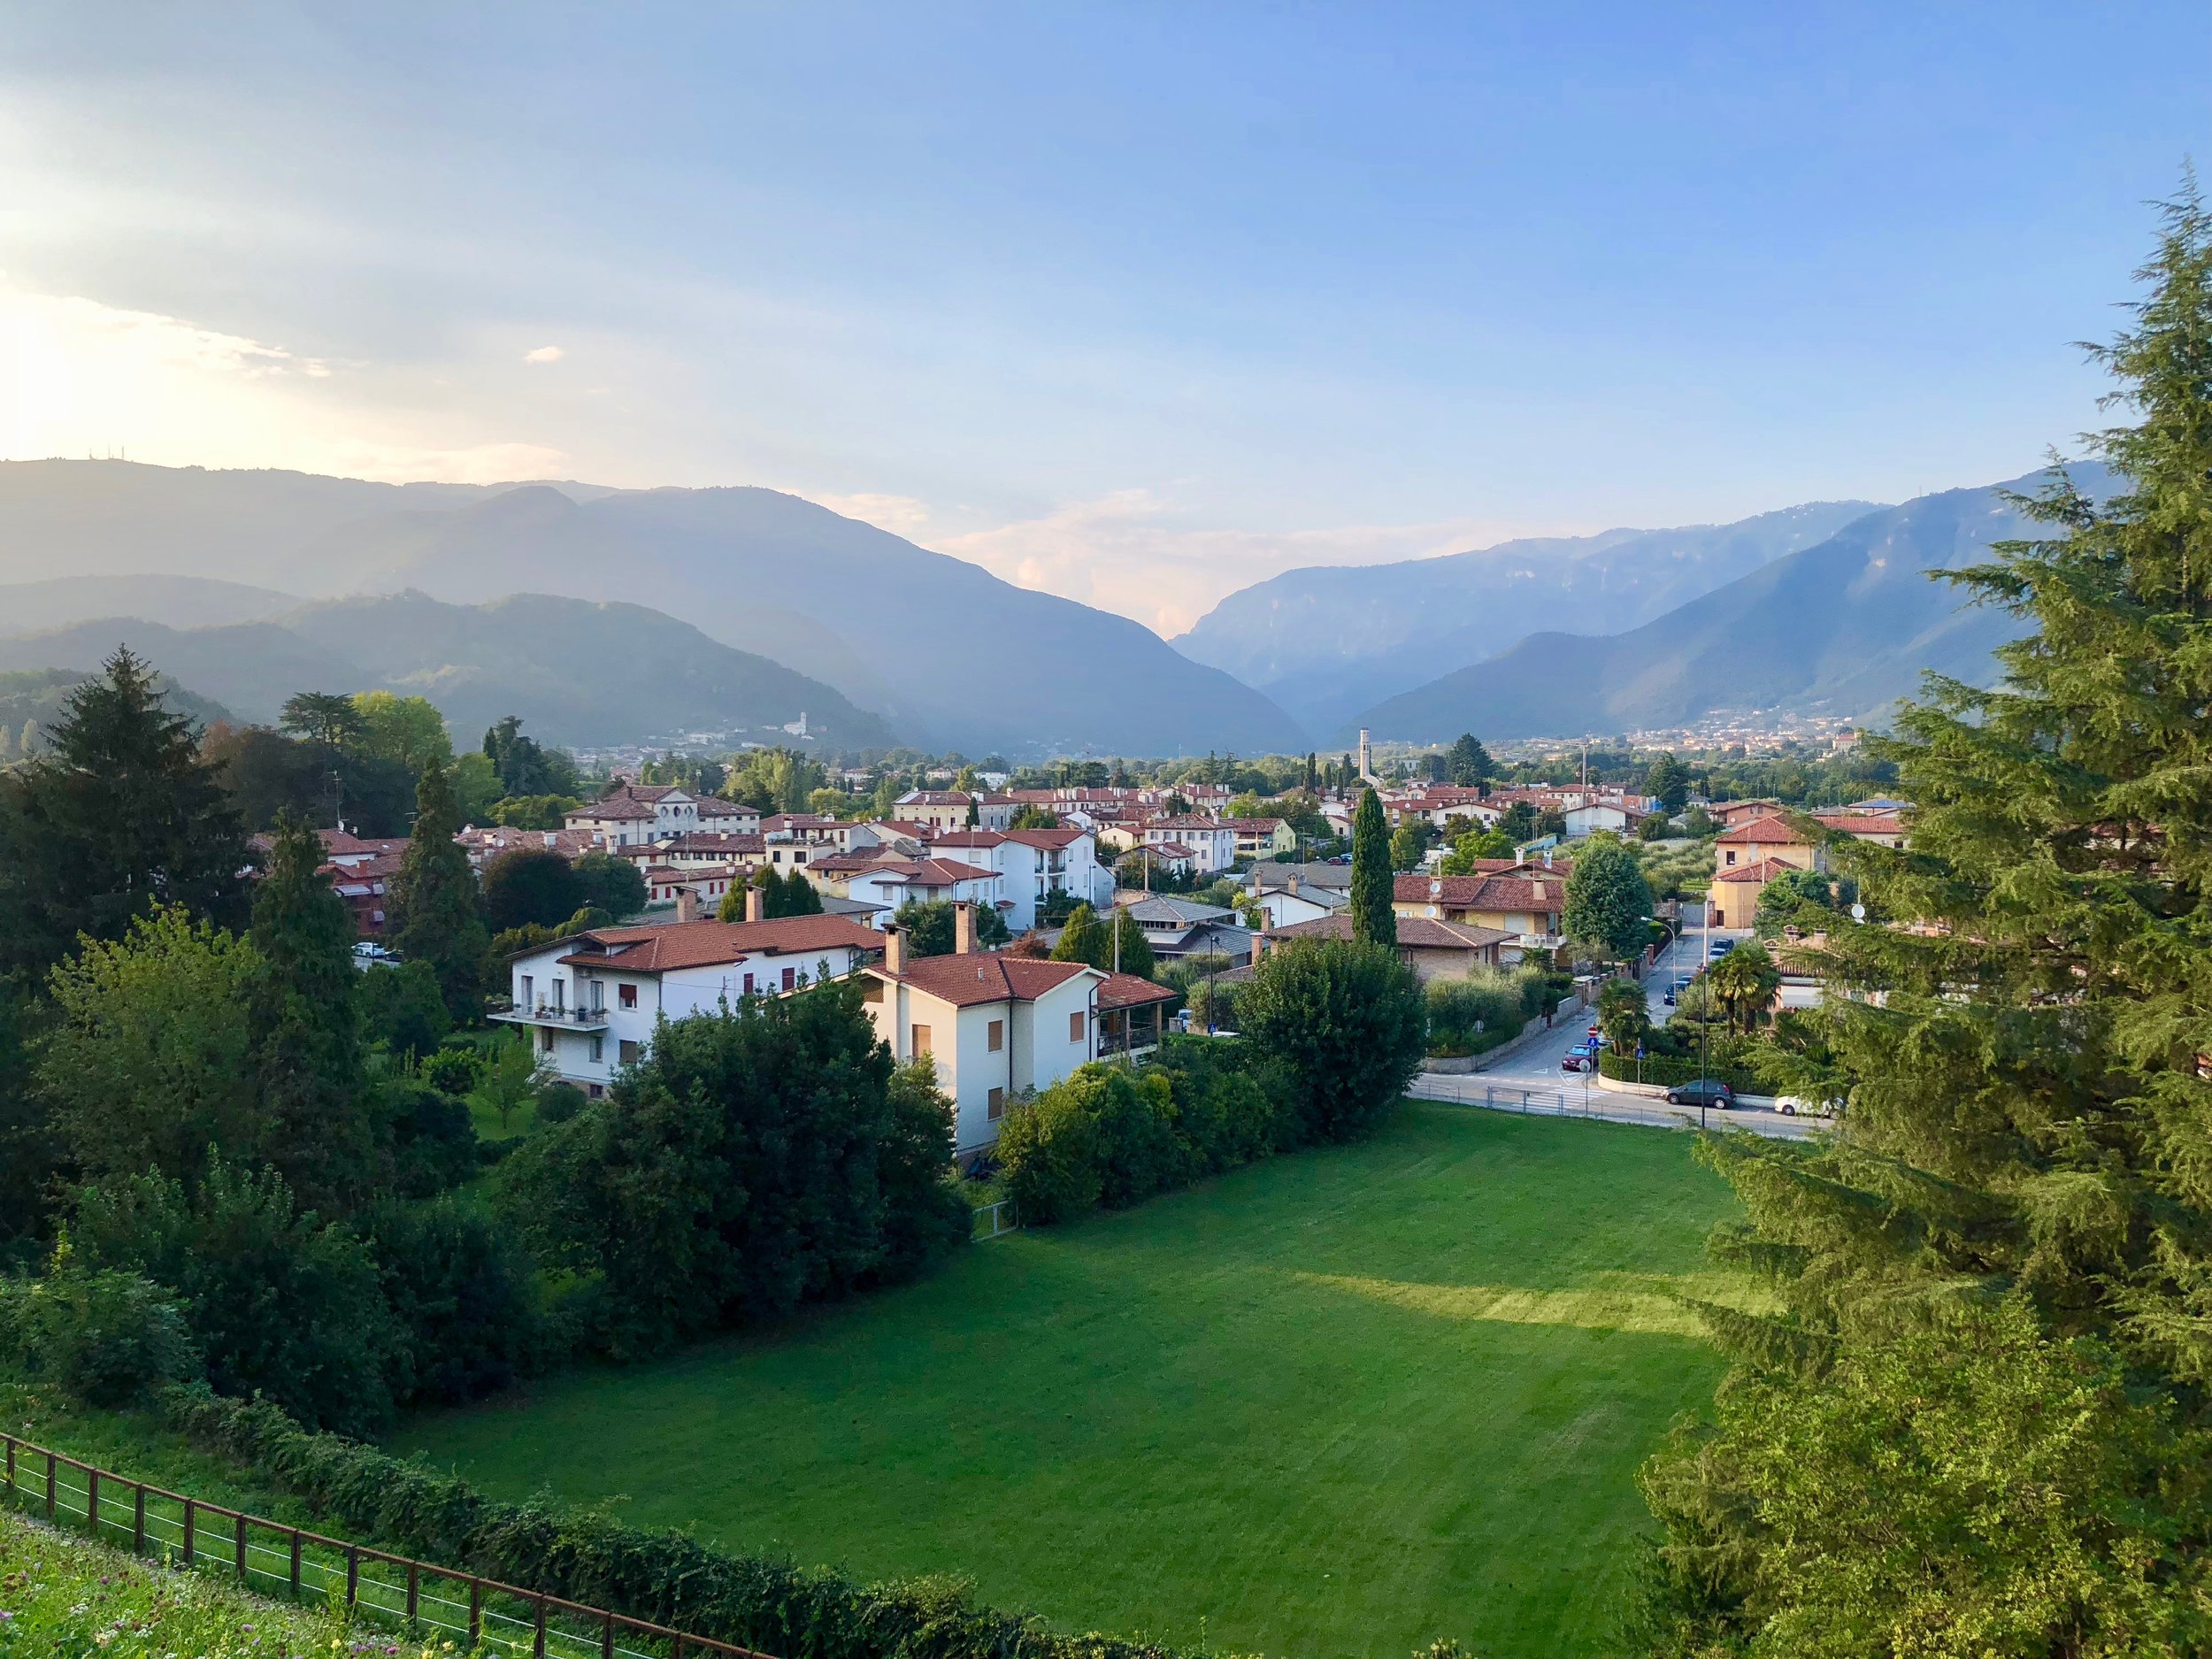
{"x": 1500, "y": 1003}
{"x": 1672, "y": 1068}
{"x": 1108, "y": 1135}
{"x": 587, "y": 1556}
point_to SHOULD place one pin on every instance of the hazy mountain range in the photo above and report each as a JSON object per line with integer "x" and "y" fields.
{"x": 681, "y": 610}
{"x": 1327, "y": 642}
{"x": 578, "y": 671}
{"x": 945, "y": 652}
{"x": 1844, "y": 627}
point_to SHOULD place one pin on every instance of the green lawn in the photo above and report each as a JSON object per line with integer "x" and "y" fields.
{"x": 1344, "y": 1403}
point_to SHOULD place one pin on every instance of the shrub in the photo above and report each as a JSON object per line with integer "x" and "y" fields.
{"x": 1225, "y": 1115}
{"x": 1049, "y": 1149}
{"x": 402, "y": 1008}
{"x": 1503, "y": 1002}
{"x": 433, "y": 1139}
{"x": 464, "y": 1295}
{"x": 530, "y": 885}
{"x": 103, "y": 1336}
{"x": 1347, "y": 1023}
{"x": 757, "y": 1158}
{"x": 279, "y": 1302}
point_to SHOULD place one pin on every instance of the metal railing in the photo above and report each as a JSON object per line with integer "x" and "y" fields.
{"x": 267, "y": 1557}
{"x": 993, "y": 1221}
{"x": 1598, "y": 1106}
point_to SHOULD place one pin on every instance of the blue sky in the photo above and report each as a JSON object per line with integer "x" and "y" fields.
{"x": 1135, "y": 304}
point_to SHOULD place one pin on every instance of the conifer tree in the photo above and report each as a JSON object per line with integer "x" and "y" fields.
{"x": 118, "y": 815}
{"x": 1373, "y": 920}
{"x": 2016, "y": 1211}
{"x": 435, "y": 917}
{"x": 300, "y": 1017}
{"x": 1084, "y": 938}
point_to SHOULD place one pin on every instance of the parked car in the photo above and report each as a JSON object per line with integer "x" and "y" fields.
{"x": 1673, "y": 995}
{"x": 1804, "y": 1106}
{"x": 1722, "y": 947}
{"x": 1582, "y": 1057}
{"x": 1704, "y": 1091}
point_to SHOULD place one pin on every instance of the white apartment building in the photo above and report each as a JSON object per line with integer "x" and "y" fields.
{"x": 1213, "y": 844}
{"x": 588, "y": 1002}
{"x": 1032, "y": 864}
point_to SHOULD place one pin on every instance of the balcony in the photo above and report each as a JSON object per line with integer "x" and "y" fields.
{"x": 546, "y": 1014}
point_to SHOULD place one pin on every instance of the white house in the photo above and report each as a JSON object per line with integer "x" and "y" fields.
{"x": 1593, "y": 815}
{"x": 996, "y": 1027}
{"x": 1032, "y": 865}
{"x": 939, "y": 808}
{"x": 589, "y": 1002}
{"x": 891, "y": 882}
{"x": 1286, "y": 903}
{"x": 1213, "y": 844}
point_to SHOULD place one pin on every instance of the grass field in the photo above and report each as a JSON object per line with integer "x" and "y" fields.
{"x": 1342, "y": 1403}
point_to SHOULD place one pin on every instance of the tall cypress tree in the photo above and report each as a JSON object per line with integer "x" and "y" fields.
{"x": 435, "y": 916}
{"x": 118, "y": 814}
{"x": 1373, "y": 918}
{"x": 1998, "y": 1276}
{"x": 300, "y": 1017}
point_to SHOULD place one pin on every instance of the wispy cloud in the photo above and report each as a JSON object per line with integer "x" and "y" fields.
{"x": 79, "y": 377}
{"x": 544, "y": 354}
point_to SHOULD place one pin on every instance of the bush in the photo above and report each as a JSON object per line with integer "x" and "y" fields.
{"x": 1347, "y": 1023}
{"x": 103, "y": 1336}
{"x": 280, "y": 1303}
{"x": 1502, "y": 1002}
{"x": 433, "y": 1139}
{"x": 557, "y": 1102}
{"x": 1107, "y": 1135}
{"x": 464, "y": 1295}
{"x": 1672, "y": 1068}
{"x": 759, "y": 1157}
{"x": 530, "y": 885}
{"x": 402, "y": 1008}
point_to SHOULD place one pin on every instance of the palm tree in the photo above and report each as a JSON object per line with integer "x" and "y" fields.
{"x": 1744, "y": 982}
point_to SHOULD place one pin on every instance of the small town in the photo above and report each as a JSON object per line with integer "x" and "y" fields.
{"x": 860, "y": 831}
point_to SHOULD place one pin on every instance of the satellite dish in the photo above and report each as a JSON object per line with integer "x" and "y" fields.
{"x": 1858, "y": 912}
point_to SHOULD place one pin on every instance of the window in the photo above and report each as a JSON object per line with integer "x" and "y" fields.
{"x": 918, "y": 1041}
{"x": 994, "y": 1104}
{"x": 598, "y": 1047}
{"x": 528, "y": 999}
{"x": 627, "y": 995}
{"x": 627, "y": 1053}
{"x": 997, "y": 1035}
{"x": 545, "y": 1039}
{"x": 748, "y": 984}
{"x": 1079, "y": 1026}
{"x": 1731, "y": 855}
{"x": 790, "y": 976}
{"x": 872, "y": 990}
{"x": 595, "y": 1091}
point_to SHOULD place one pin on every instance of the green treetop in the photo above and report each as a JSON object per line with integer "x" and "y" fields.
{"x": 433, "y": 903}
{"x": 1608, "y": 900}
{"x": 1373, "y": 920}
{"x": 2006, "y": 1253}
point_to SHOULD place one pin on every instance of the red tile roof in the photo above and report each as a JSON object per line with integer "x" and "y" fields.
{"x": 1052, "y": 840}
{"x": 702, "y": 944}
{"x": 617, "y": 808}
{"x": 979, "y": 837}
{"x": 1774, "y": 830}
{"x": 1126, "y": 990}
{"x": 1415, "y": 933}
{"x": 984, "y": 977}
{"x": 1539, "y": 890}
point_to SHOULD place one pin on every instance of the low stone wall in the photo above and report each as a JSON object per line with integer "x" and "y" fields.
{"x": 1658, "y": 1091}
{"x": 1472, "y": 1062}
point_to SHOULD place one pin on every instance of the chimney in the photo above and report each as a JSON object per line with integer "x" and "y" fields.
{"x": 686, "y": 905}
{"x": 894, "y": 951}
{"x": 752, "y": 903}
{"x": 963, "y": 930}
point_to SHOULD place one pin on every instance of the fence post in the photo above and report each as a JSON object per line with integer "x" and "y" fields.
{"x": 476, "y": 1608}
{"x": 353, "y": 1573}
{"x": 606, "y": 1638}
{"x": 188, "y": 1508}
{"x": 295, "y": 1561}
{"x": 537, "y": 1639}
{"x": 92, "y": 1501}
{"x": 241, "y": 1546}
{"x": 138, "y": 1519}
{"x": 11, "y": 1465}
{"x": 414, "y": 1587}
{"x": 51, "y": 1462}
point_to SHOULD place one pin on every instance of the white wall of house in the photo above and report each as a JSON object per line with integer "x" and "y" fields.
{"x": 1040, "y": 1043}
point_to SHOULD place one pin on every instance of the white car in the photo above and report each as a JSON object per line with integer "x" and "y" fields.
{"x": 1805, "y": 1106}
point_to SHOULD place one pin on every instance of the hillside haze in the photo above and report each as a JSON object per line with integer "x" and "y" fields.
{"x": 1329, "y": 640}
{"x": 578, "y": 671}
{"x": 1844, "y": 628}
{"x": 950, "y": 654}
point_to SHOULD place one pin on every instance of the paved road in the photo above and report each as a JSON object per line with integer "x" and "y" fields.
{"x": 1532, "y": 1080}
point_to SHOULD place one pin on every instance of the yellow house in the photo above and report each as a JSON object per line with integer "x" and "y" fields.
{"x": 1748, "y": 856}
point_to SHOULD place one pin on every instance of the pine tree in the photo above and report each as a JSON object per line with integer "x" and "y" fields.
{"x": 300, "y": 1017}
{"x": 2028, "y": 1136}
{"x": 1085, "y": 939}
{"x": 435, "y": 917}
{"x": 119, "y": 814}
{"x": 1373, "y": 920}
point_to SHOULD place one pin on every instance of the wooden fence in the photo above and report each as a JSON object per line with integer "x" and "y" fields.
{"x": 265, "y": 1555}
